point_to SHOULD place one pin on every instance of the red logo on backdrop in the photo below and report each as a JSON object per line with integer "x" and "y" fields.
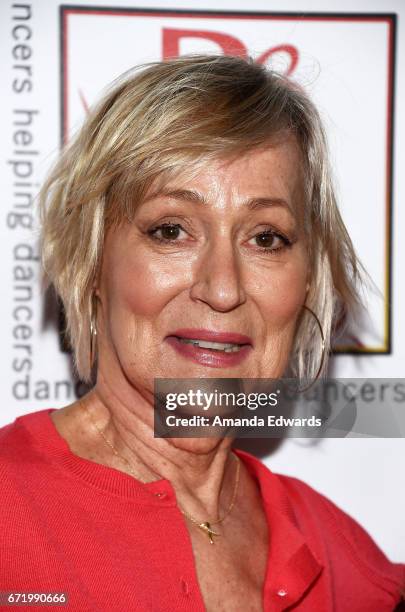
{"x": 229, "y": 44}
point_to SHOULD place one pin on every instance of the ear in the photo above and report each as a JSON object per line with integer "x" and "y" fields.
{"x": 95, "y": 285}
{"x": 96, "y": 294}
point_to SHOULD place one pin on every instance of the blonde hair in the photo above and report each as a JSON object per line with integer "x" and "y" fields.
{"x": 156, "y": 121}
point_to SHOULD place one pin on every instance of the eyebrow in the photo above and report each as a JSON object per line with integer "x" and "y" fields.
{"x": 187, "y": 195}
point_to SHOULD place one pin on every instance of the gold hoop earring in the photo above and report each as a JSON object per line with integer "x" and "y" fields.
{"x": 323, "y": 349}
{"x": 93, "y": 330}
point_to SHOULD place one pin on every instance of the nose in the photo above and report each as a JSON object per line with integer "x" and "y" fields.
{"x": 217, "y": 277}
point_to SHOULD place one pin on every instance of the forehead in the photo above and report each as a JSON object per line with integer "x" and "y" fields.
{"x": 274, "y": 170}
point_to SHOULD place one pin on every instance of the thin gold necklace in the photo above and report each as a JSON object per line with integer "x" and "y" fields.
{"x": 205, "y": 526}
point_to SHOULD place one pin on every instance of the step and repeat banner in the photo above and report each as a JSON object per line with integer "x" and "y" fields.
{"x": 58, "y": 59}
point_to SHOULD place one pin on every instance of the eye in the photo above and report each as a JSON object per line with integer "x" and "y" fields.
{"x": 271, "y": 241}
{"x": 166, "y": 232}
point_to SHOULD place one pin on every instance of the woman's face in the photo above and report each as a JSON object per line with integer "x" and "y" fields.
{"x": 220, "y": 258}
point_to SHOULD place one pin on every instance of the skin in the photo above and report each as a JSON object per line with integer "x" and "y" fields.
{"x": 214, "y": 275}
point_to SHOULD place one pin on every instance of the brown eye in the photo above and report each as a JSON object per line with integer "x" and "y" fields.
{"x": 271, "y": 242}
{"x": 166, "y": 232}
{"x": 266, "y": 240}
{"x": 169, "y": 232}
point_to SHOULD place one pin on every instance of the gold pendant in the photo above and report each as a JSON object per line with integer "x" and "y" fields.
{"x": 207, "y": 528}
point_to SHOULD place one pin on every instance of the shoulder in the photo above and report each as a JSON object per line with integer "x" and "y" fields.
{"x": 10, "y": 435}
{"x": 14, "y": 431}
{"x": 351, "y": 557}
{"x": 19, "y": 440}
{"x": 306, "y": 498}
{"x": 342, "y": 534}
{"x": 17, "y": 461}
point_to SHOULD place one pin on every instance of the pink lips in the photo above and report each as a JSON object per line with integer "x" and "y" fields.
{"x": 210, "y": 357}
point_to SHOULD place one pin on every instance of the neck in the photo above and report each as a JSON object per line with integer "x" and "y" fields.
{"x": 201, "y": 470}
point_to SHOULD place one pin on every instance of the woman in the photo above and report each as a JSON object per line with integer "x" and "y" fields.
{"x": 187, "y": 229}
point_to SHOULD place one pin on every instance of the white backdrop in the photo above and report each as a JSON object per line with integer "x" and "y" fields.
{"x": 55, "y": 62}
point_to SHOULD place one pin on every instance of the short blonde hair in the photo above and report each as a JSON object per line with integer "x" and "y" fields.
{"x": 159, "y": 119}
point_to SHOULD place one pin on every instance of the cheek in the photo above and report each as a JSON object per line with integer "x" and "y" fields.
{"x": 142, "y": 285}
{"x": 285, "y": 292}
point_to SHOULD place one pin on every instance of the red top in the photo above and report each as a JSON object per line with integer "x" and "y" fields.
{"x": 111, "y": 543}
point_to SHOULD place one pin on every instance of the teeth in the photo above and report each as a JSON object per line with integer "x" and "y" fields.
{"x": 216, "y": 346}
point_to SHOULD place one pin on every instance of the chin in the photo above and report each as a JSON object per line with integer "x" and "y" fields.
{"x": 197, "y": 445}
